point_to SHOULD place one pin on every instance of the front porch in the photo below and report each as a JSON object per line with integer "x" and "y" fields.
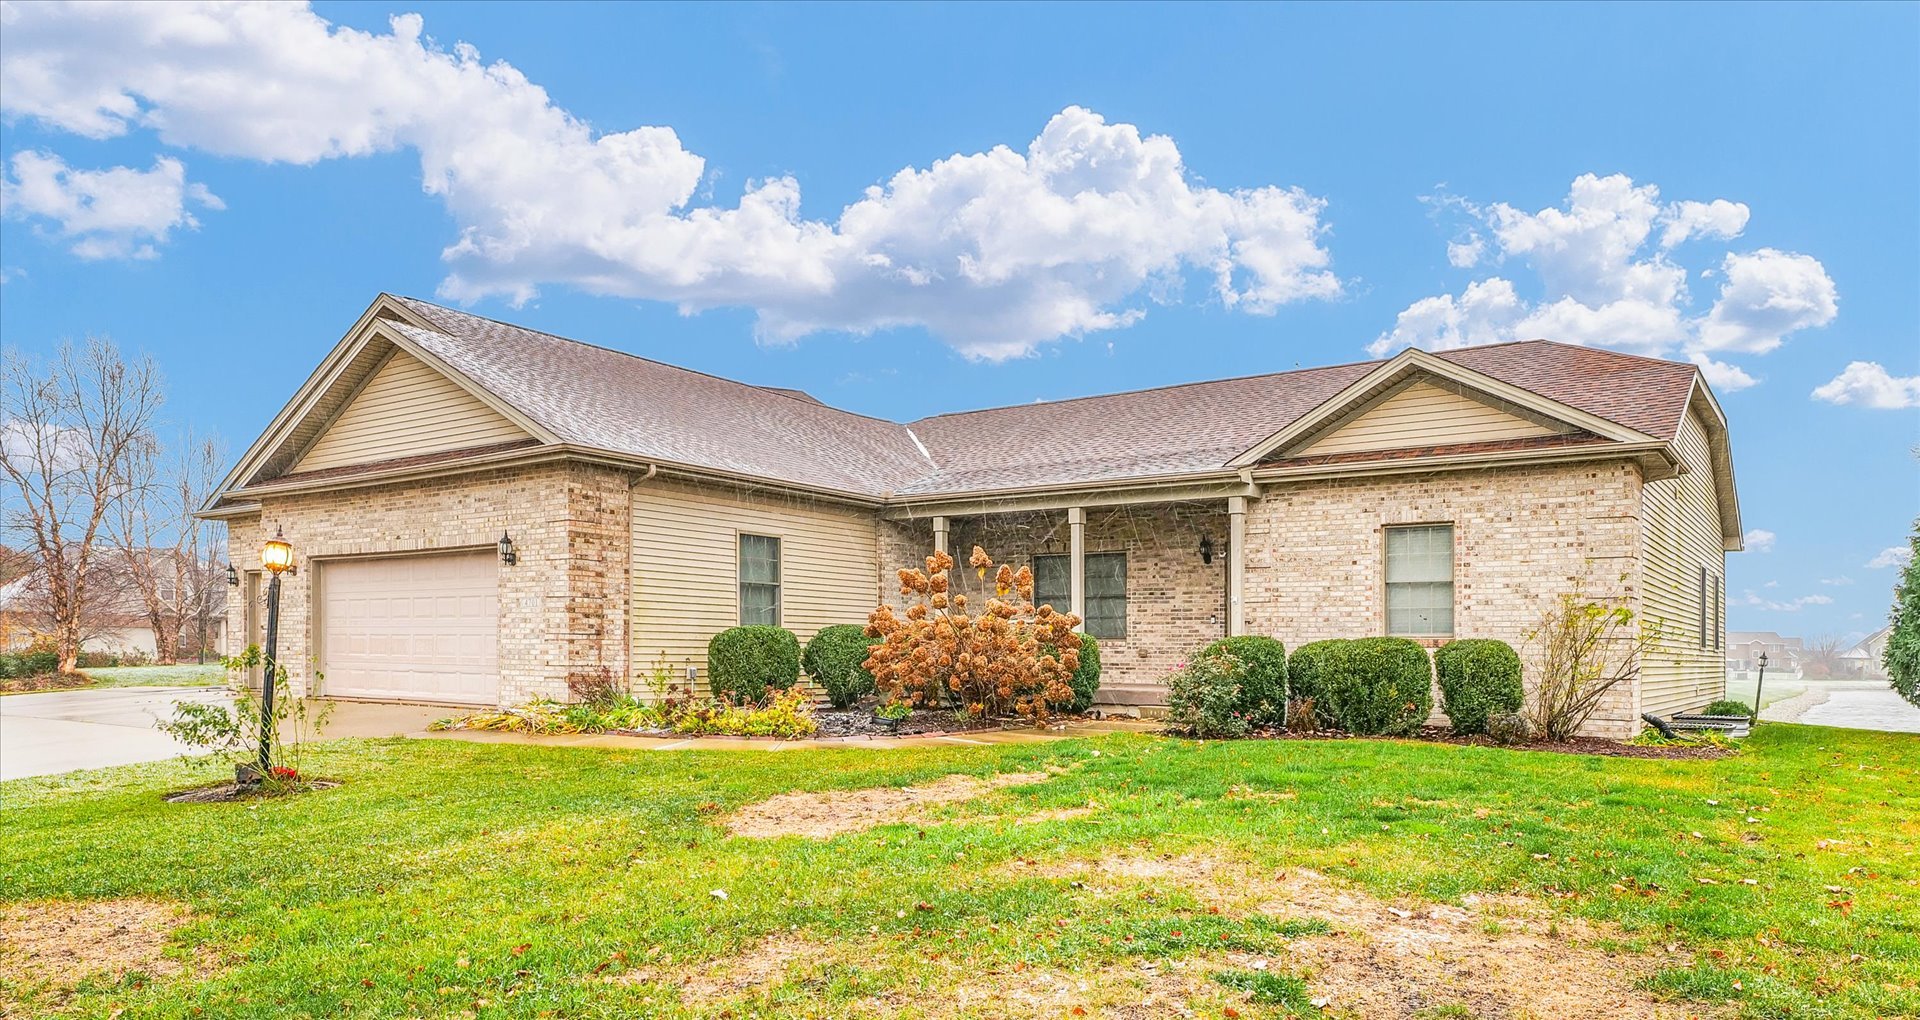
{"x": 1153, "y": 580}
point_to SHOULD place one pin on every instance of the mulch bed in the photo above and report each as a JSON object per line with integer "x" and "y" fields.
{"x": 225, "y": 793}
{"x": 1598, "y": 746}
{"x": 44, "y": 682}
{"x": 859, "y": 722}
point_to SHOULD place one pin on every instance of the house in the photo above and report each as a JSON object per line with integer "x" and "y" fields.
{"x": 1868, "y": 657}
{"x": 480, "y": 510}
{"x": 115, "y": 621}
{"x": 1744, "y": 648}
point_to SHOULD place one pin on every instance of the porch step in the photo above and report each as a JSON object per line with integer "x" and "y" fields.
{"x": 1141, "y": 701}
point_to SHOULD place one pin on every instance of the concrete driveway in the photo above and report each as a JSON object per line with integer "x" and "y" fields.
{"x": 61, "y": 731}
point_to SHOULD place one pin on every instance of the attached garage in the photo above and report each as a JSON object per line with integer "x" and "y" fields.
{"x": 411, "y": 628}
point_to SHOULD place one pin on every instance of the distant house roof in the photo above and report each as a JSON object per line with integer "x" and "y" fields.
{"x": 576, "y": 394}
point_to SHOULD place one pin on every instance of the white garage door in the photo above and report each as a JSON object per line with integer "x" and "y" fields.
{"x": 416, "y": 628}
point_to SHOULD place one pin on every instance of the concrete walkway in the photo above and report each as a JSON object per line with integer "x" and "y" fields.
{"x": 1867, "y": 705}
{"x": 976, "y": 738}
{"x": 52, "y": 732}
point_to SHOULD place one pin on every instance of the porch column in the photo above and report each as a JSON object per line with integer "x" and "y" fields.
{"x": 1236, "y": 565}
{"x": 1077, "y": 562}
{"x": 939, "y": 534}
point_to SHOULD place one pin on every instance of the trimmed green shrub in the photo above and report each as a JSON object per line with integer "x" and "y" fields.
{"x": 1728, "y": 706}
{"x": 1478, "y": 677}
{"x": 1263, "y": 675}
{"x": 1085, "y": 680}
{"x": 833, "y": 660}
{"x": 1366, "y": 686}
{"x": 9, "y": 666}
{"x": 39, "y": 663}
{"x": 1204, "y": 697}
{"x": 744, "y": 662}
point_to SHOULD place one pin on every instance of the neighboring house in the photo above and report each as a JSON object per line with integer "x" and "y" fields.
{"x": 649, "y": 507}
{"x": 1745, "y": 646}
{"x": 116, "y": 621}
{"x": 1868, "y": 658}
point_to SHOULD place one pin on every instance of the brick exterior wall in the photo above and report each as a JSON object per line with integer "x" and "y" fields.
{"x": 1175, "y": 603}
{"x": 1522, "y": 536}
{"x": 563, "y": 606}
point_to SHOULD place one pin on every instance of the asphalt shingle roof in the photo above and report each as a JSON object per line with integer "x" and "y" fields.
{"x": 647, "y": 409}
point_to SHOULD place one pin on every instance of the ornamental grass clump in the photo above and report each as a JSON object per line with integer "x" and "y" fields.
{"x": 1010, "y": 658}
{"x": 1479, "y": 678}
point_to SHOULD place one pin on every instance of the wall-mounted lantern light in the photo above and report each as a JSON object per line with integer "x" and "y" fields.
{"x": 507, "y": 555}
{"x": 233, "y": 577}
{"x": 1206, "y": 549}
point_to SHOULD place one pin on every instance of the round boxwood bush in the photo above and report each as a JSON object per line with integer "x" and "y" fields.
{"x": 1263, "y": 675}
{"x": 1366, "y": 686}
{"x": 1085, "y": 680}
{"x": 833, "y": 660}
{"x": 39, "y": 663}
{"x": 743, "y": 662}
{"x": 1478, "y": 678}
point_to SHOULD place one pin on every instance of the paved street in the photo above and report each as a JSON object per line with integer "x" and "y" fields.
{"x": 1861, "y": 705}
{"x": 60, "y": 731}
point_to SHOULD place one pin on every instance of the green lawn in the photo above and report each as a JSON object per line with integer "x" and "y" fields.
{"x": 185, "y": 674}
{"x": 1740, "y": 687}
{"x": 457, "y": 879}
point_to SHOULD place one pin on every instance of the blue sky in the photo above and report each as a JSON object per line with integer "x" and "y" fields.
{"x": 1278, "y": 186}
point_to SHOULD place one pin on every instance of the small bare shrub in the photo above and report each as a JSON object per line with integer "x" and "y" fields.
{"x": 594, "y": 687}
{"x": 1583, "y": 647}
{"x": 1302, "y": 716}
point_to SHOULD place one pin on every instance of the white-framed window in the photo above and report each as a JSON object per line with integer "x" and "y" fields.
{"x": 1420, "y": 580}
{"x": 1105, "y": 615}
{"x": 759, "y": 572}
{"x": 1713, "y": 610}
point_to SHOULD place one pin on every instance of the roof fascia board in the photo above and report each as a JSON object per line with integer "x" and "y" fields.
{"x": 1414, "y": 360}
{"x": 1720, "y": 449}
{"x": 989, "y": 504}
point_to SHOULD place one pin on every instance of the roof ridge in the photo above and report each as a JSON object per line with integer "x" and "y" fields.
{"x": 772, "y": 390}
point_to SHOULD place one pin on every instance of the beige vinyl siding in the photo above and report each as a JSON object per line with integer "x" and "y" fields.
{"x": 685, "y": 568}
{"x": 1425, "y": 415}
{"x": 404, "y": 410}
{"x": 1682, "y": 536}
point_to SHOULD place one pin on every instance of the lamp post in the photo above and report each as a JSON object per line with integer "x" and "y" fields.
{"x": 1759, "y": 682}
{"x": 277, "y": 557}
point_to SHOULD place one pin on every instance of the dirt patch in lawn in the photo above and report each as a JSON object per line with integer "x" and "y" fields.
{"x": 1494, "y": 956}
{"x": 50, "y": 945}
{"x": 828, "y": 814}
{"x": 225, "y": 793}
{"x": 761, "y": 966}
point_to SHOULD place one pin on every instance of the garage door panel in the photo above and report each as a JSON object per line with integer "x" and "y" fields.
{"x": 417, "y": 627}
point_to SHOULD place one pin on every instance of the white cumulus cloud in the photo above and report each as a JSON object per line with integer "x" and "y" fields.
{"x": 1869, "y": 384}
{"x": 1760, "y": 540}
{"x": 1606, "y": 263}
{"x": 1837, "y": 582}
{"x": 116, "y": 213}
{"x": 996, "y": 252}
{"x": 1751, "y": 598}
{"x": 1891, "y": 556}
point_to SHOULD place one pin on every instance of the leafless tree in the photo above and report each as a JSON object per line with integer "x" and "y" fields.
{"x": 70, "y": 435}
{"x": 1820, "y": 656}
{"x": 164, "y": 551}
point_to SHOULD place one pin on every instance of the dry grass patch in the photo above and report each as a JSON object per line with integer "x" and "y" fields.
{"x": 50, "y": 945}
{"x": 828, "y": 814}
{"x": 765, "y": 964}
{"x": 1495, "y": 956}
